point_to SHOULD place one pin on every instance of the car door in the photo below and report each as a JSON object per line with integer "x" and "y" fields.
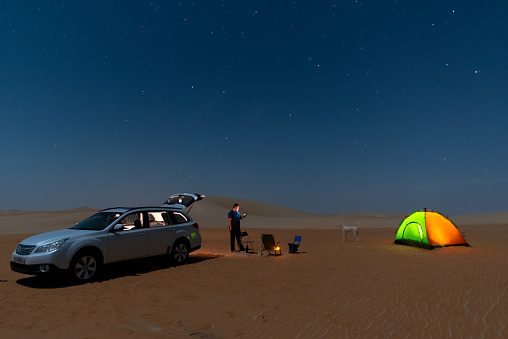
{"x": 161, "y": 232}
{"x": 130, "y": 241}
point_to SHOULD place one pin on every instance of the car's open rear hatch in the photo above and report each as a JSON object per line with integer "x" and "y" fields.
{"x": 183, "y": 199}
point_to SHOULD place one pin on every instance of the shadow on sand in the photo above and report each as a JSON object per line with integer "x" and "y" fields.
{"x": 136, "y": 267}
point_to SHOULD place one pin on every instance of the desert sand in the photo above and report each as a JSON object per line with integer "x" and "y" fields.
{"x": 330, "y": 289}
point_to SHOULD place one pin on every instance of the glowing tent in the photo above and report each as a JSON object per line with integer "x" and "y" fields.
{"x": 428, "y": 229}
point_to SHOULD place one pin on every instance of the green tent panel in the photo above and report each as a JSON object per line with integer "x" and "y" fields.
{"x": 428, "y": 229}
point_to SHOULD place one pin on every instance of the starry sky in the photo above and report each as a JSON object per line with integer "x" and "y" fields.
{"x": 323, "y": 106}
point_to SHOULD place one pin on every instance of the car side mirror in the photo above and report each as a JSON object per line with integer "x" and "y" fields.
{"x": 118, "y": 227}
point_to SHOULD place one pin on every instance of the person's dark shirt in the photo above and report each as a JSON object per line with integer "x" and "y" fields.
{"x": 235, "y": 219}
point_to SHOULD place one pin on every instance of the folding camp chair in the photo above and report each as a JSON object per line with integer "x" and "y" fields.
{"x": 270, "y": 245}
{"x": 293, "y": 246}
{"x": 246, "y": 242}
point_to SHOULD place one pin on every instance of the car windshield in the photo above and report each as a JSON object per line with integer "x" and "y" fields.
{"x": 98, "y": 221}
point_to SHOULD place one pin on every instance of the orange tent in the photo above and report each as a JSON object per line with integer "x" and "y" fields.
{"x": 429, "y": 229}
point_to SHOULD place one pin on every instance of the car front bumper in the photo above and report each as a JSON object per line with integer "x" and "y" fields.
{"x": 34, "y": 269}
{"x": 55, "y": 260}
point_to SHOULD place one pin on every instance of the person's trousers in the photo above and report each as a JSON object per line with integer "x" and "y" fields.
{"x": 235, "y": 234}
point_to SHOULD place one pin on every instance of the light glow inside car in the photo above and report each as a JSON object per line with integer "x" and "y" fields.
{"x": 52, "y": 246}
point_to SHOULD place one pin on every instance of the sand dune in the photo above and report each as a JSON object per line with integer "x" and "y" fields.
{"x": 331, "y": 289}
{"x": 23, "y": 222}
{"x": 212, "y": 213}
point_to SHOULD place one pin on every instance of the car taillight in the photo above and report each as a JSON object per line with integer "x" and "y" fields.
{"x": 195, "y": 225}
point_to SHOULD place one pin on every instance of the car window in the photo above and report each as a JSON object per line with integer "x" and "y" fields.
{"x": 132, "y": 221}
{"x": 159, "y": 218}
{"x": 98, "y": 221}
{"x": 180, "y": 217}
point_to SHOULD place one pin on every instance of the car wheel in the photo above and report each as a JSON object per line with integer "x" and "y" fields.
{"x": 84, "y": 267}
{"x": 180, "y": 253}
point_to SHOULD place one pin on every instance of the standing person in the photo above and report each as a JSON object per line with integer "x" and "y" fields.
{"x": 234, "y": 217}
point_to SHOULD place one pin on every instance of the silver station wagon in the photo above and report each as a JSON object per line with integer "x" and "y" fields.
{"x": 112, "y": 235}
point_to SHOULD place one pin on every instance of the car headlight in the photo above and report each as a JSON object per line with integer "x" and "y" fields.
{"x": 52, "y": 246}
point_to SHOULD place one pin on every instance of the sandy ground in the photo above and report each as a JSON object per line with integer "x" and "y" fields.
{"x": 330, "y": 289}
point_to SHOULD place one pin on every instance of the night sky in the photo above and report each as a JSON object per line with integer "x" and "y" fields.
{"x": 323, "y": 106}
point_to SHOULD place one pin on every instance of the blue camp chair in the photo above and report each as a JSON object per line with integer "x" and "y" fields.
{"x": 293, "y": 246}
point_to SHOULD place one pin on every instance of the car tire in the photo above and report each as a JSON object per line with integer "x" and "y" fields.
{"x": 84, "y": 267}
{"x": 180, "y": 253}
